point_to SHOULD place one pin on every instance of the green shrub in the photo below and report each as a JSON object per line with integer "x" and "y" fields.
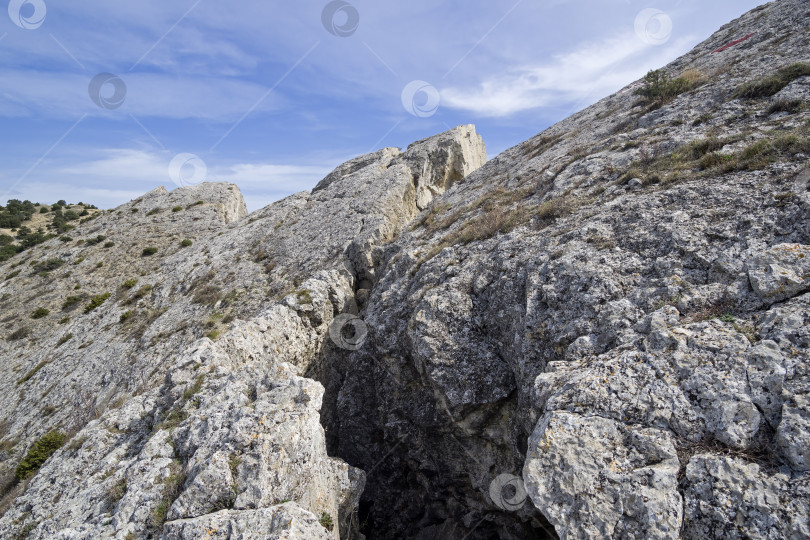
{"x": 762, "y": 153}
{"x": 39, "y": 453}
{"x": 134, "y": 210}
{"x": 660, "y": 87}
{"x": 7, "y": 252}
{"x": 125, "y": 316}
{"x": 99, "y": 264}
{"x": 699, "y": 148}
{"x": 49, "y": 266}
{"x": 153, "y": 211}
{"x": 96, "y": 301}
{"x": 109, "y": 244}
{"x": 773, "y": 84}
{"x": 172, "y": 486}
{"x": 40, "y": 312}
{"x": 71, "y": 301}
{"x": 13, "y": 274}
{"x": 326, "y": 521}
{"x": 97, "y": 240}
{"x": 128, "y": 284}
{"x": 64, "y": 339}
{"x": 149, "y": 251}
{"x": 185, "y": 243}
{"x": 64, "y": 320}
{"x": 177, "y": 209}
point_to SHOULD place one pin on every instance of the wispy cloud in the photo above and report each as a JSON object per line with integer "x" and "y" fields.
{"x": 116, "y": 175}
{"x": 592, "y": 70}
{"x": 204, "y": 65}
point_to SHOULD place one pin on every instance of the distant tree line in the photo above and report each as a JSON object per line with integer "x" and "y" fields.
{"x": 15, "y": 213}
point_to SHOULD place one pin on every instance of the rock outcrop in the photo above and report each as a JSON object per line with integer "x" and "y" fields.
{"x": 174, "y": 351}
{"x": 612, "y": 311}
{"x": 601, "y": 333}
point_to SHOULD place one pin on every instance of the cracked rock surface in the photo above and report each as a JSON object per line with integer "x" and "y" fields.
{"x": 603, "y": 332}
{"x": 188, "y": 394}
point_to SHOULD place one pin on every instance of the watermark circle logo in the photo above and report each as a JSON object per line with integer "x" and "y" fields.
{"x": 508, "y": 492}
{"x": 340, "y": 18}
{"x": 653, "y": 26}
{"x": 100, "y": 87}
{"x": 27, "y": 14}
{"x": 187, "y": 170}
{"x": 348, "y": 332}
{"x": 421, "y": 99}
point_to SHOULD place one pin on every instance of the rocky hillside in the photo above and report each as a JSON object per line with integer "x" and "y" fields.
{"x": 600, "y": 333}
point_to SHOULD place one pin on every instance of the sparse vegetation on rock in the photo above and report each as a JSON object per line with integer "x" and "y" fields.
{"x": 96, "y": 301}
{"x": 771, "y": 85}
{"x": 40, "y": 313}
{"x": 39, "y": 453}
{"x": 608, "y": 317}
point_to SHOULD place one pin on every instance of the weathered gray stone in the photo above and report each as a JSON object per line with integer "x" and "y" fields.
{"x": 284, "y": 521}
{"x": 197, "y": 426}
{"x": 793, "y": 434}
{"x": 637, "y": 351}
{"x": 596, "y": 478}
{"x": 729, "y": 498}
{"x": 781, "y": 272}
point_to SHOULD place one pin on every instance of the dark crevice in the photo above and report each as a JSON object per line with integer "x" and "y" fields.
{"x": 414, "y": 488}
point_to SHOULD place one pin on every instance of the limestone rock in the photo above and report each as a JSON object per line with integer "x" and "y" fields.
{"x": 611, "y": 319}
{"x": 279, "y": 522}
{"x": 729, "y": 498}
{"x": 781, "y": 272}
{"x": 549, "y": 285}
{"x": 193, "y": 362}
{"x": 595, "y": 478}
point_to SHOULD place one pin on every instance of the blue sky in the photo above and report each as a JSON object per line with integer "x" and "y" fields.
{"x": 272, "y": 95}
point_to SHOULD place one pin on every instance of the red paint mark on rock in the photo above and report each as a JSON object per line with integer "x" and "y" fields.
{"x": 736, "y": 42}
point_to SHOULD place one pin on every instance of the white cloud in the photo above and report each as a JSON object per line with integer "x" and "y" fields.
{"x": 115, "y": 176}
{"x": 122, "y": 164}
{"x": 593, "y": 70}
{"x": 263, "y": 183}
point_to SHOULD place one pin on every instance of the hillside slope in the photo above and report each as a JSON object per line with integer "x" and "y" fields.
{"x": 614, "y": 312}
{"x": 600, "y": 333}
{"x": 177, "y": 309}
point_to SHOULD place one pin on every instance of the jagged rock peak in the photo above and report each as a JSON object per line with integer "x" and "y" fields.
{"x": 435, "y": 163}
